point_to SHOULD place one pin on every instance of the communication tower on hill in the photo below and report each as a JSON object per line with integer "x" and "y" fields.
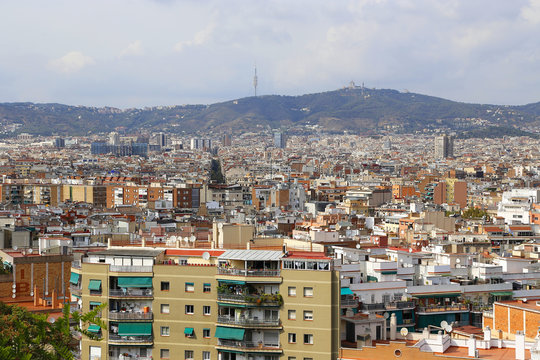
{"x": 255, "y": 81}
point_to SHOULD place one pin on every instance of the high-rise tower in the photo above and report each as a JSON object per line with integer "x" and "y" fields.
{"x": 444, "y": 147}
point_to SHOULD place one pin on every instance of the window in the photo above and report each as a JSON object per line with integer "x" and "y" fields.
{"x": 189, "y": 309}
{"x": 292, "y": 358}
{"x": 206, "y": 310}
{"x": 292, "y": 291}
{"x": 207, "y": 288}
{"x": 292, "y": 314}
{"x": 206, "y": 333}
{"x": 164, "y": 353}
{"x": 165, "y": 286}
{"x": 386, "y": 298}
{"x": 190, "y": 287}
{"x": 308, "y": 292}
{"x": 164, "y": 308}
{"x": 165, "y": 331}
{"x": 188, "y": 354}
{"x": 308, "y": 338}
{"x": 292, "y": 338}
{"x": 308, "y": 315}
{"x": 308, "y": 358}
{"x": 206, "y": 355}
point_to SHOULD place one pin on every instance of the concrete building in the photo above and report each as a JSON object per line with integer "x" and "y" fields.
{"x": 444, "y": 147}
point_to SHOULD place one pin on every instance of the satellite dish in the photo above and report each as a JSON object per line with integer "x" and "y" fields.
{"x": 386, "y": 315}
{"x": 410, "y": 250}
{"x": 444, "y": 324}
{"x": 358, "y": 246}
{"x": 15, "y": 247}
{"x": 192, "y": 238}
{"x": 206, "y": 255}
{"x": 404, "y": 332}
{"x": 173, "y": 238}
{"x": 448, "y": 329}
{"x": 30, "y": 251}
{"x": 458, "y": 261}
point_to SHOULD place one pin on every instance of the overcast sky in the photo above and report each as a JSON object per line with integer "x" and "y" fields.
{"x": 135, "y": 53}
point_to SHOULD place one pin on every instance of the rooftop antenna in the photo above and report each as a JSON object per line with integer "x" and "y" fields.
{"x": 255, "y": 81}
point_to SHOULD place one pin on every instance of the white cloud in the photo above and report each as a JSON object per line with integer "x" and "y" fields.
{"x": 71, "y": 62}
{"x": 531, "y": 12}
{"x": 200, "y": 38}
{"x": 133, "y": 49}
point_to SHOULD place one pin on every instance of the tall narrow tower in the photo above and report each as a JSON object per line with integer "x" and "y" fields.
{"x": 255, "y": 81}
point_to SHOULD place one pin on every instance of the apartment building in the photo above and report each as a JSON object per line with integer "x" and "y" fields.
{"x": 214, "y": 304}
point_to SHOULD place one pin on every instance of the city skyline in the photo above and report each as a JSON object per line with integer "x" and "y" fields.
{"x": 168, "y": 52}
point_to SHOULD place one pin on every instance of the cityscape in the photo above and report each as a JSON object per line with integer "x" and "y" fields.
{"x": 270, "y": 180}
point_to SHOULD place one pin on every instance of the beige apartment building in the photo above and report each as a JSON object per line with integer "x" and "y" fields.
{"x": 210, "y": 304}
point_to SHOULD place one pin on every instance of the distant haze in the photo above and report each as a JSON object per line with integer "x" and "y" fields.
{"x": 140, "y": 53}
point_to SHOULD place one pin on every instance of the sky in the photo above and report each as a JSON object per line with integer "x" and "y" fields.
{"x": 137, "y": 53}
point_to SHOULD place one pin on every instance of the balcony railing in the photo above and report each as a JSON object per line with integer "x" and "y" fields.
{"x": 263, "y": 300}
{"x": 128, "y": 268}
{"x": 129, "y": 292}
{"x": 131, "y": 339}
{"x": 253, "y": 321}
{"x": 373, "y": 307}
{"x": 113, "y": 315}
{"x": 488, "y": 314}
{"x": 76, "y": 264}
{"x": 443, "y": 308}
{"x": 244, "y": 272}
{"x": 408, "y": 321}
{"x": 75, "y": 290}
{"x": 248, "y": 344}
{"x": 135, "y": 357}
{"x": 349, "y": 302}
{"x": 400, "y": 305}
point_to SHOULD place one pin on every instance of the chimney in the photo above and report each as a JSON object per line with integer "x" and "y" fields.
{"x": 143, "y": 242}
{"x": 178, "y": 244}
{"x": 472, "y": 346}
{"x": 109, "y": 242}
{"x": 425, "y": 333}
{"x": 487, "y": 337}
{"x": 393, "y": 326}
{"x": 54, "y": 299}
{"x": 36, "y": 296}
{"x": 520, "y": 345}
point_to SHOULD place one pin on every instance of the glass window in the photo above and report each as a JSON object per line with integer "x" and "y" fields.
{"x": 165, "y": 308}
{"x": 308, "y": 291}
{"x": 164, "y": 353}
{"x": 308, "y": 338}
{"x": 207, "y": 287}
{"x": 165, "y": 286}
{"x": 189, "y": 309}
{"x": 206, "y": 333}
{"x": 206, "y": 355}
{"x": 292, "y": 291}
{"x": 188, "y": 354}
{"x": 165, "y": 331}
{"x": 206, "y": 310}
{"x": 308, "y": 315}
{"x": 292, "y": 338}
{"x": 292, "y": 314}
{"x": 190, "y": 287}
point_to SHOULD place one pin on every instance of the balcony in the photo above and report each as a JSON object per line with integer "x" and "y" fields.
{"x": 244, "y": 272}
{"x": 443, "y": 308}
{"x": 131, "y": 292}
{"x": 126, "y": 268}
{"x": 115, "y": 315}
{"x": 252, "y": 321}
{"x": 400, "y": 305}
{"x": 249, "y": 345}
{"x": 132, "y": 357}
{"x": 142, "y": 339}
{"x": 260, "y": 300}
{"x": 374, "y": 307}
{"x": 75, "y": 290}
{"x": 76, "y": 264}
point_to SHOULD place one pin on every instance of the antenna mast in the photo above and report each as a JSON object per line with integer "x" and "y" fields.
{"x": 255, "y": 81}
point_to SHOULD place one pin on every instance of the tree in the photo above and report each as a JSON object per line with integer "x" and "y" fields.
{"x": 25, "y": 335}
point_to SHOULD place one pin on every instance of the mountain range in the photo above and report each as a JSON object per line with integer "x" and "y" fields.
{"x": 354, "y": 109}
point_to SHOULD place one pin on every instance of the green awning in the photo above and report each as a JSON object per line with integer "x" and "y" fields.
{"x": 135, "y": 282}
{"x": 94, "y": 285}
{"x": 346, "y": 291}
{"x": 95, "y": 303}
{"x": 232, "y": 305}
{"x": 389, "y": 272}
{"x": 77, "y": 296}
{"x": 94, "y": 328}
{"x": 74, "y": 279}
{"x": 438, "y": 295}
{"x": 372, "y": 278}
{"x": 502, "y": 293}
{"x": 229, "y": 333}
{"x": 232, "y": 282}
{"x": 188, "y": 331}
{"x": 134, "y": 329}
